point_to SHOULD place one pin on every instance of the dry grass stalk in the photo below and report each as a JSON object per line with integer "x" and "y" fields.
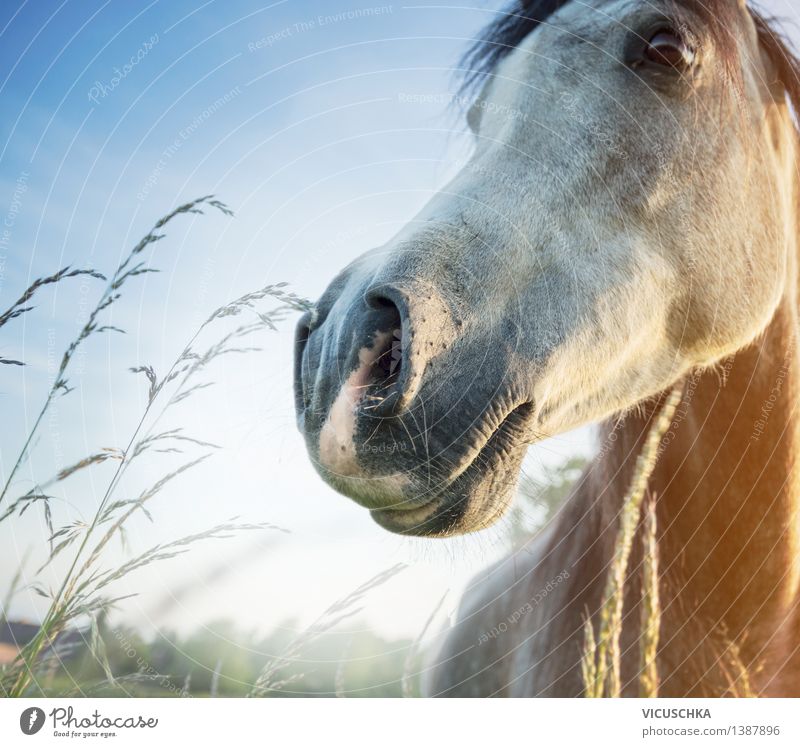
{"x": 589, "y": 658}
{"x": 650, "y": 607}
{"x": 601, "y": 665}
{"x": 736, "y": 671}
{"x": 342, "y": 609}
{"x": 408, "y": 668}
{"x": 129, "y": 268}
{"x": 81, "y": 593}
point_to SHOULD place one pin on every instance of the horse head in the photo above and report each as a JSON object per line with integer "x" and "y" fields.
{"x": 625, "y": 218}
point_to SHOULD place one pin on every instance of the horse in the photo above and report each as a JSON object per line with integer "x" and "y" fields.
{"x": 627, "y": 224}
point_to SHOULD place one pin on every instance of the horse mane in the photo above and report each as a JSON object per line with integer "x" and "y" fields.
{"x": 784, "y": 60}
{"x": 521, "y": 17}
{"x": 503, "y": 35}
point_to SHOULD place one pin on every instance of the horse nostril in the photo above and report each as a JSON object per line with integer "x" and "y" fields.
{"x": 389, "y": 367}
{"x": 389, "y": 361}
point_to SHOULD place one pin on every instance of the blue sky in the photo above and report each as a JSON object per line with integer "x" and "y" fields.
{"x": 296, "y": 114}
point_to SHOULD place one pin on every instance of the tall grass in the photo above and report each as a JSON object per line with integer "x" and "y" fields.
{"x": 85, "y": 590}
{"x": 600, "y": 664}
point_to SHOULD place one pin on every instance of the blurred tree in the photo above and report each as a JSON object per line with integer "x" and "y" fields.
{"x": 540, "y": 499}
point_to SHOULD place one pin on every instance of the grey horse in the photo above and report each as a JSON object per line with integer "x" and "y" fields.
{"x": 628, "y": 222}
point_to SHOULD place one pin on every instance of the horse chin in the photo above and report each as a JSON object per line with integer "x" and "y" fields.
{"x": 479, "y": 495}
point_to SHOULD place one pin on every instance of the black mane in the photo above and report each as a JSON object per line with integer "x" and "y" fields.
{"x": 504, "y": 34}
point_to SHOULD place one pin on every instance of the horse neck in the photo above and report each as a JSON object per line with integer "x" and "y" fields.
{"x": 727, "y": 506}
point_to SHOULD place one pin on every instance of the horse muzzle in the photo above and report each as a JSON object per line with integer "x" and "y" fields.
{"x": 399, "y": 415}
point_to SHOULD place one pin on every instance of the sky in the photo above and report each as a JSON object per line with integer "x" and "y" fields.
{"x": 304, "y": 117}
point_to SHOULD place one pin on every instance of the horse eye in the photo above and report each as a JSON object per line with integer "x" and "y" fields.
{"x": 668, "y": 49}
